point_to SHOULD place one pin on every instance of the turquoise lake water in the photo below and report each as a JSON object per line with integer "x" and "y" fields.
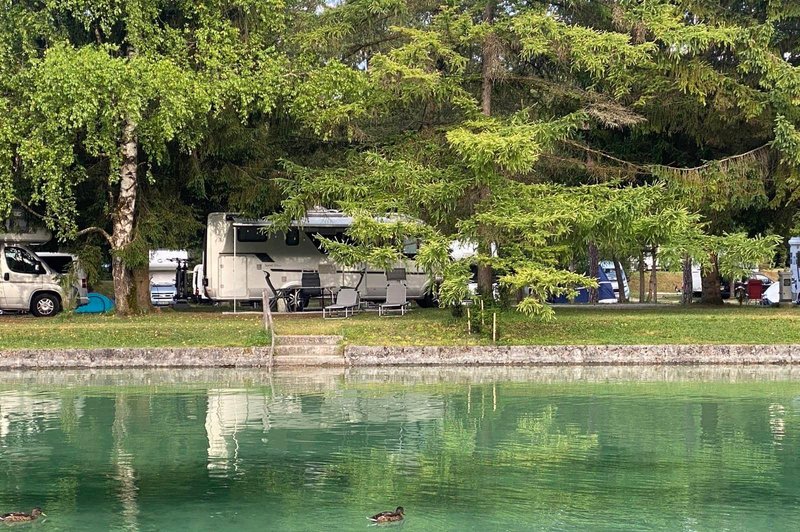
{"x": 461, "y": 449}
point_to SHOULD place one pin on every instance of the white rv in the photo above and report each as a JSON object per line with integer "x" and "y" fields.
{"x": 28, "y": 283}
{"x": 162, "y": 269}
{"x": 242, "y": 259}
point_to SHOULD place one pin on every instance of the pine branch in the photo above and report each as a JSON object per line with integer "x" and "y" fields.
{"x": 650, "y": 167}
{"x": 703, "y": 166}
{"x": 633, "y": 166}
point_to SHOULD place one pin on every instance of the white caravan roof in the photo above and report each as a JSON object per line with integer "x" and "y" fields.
{"x": 316, "y": 218}
{"x": 164, "y": 259}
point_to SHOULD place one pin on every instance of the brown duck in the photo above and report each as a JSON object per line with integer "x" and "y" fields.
{"x": 388, "y": 517}
{"x": 20, "y": 517}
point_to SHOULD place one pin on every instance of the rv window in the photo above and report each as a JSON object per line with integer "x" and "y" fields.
{"x": 250, "y": 234}
{"x": 20, "y": 261}
{"x": 338, "y": 237}
{"x": 411, "y": 248}
{"x": 59, "y": 263}
{"x": 292, "y": 237}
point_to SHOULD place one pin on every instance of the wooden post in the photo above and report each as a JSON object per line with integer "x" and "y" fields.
{"x": 266, "y": 315}
{"x": 494, "y": 327}
{"x": 483, "y": 320}
{"x": 469, "y": 322}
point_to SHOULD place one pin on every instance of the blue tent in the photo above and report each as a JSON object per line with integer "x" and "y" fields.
{"x": 97, "y": 304}
{"x": 604, "y": 291}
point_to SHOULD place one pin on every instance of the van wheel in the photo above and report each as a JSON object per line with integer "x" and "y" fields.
{"x": 427, "y": 301}
{"x": 45, "y": 305}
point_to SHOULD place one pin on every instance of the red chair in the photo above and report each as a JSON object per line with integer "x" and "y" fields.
{"x": 755, "y": 291}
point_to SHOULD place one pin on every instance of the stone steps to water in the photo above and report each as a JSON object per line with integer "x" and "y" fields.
{"x": 307, "y": 339}
{"x": 308, "y": 360}
{"x": 308, "y": 350}
{"x": 311, "y": 350}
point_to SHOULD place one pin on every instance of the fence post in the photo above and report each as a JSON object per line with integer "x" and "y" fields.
{"x": 266, "y": 315}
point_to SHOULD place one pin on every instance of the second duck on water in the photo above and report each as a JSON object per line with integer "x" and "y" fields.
{"x": 20, "y": 517}
{"x": 388, "y": 517}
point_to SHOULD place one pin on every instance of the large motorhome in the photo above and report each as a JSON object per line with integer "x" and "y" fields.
{"x": 242, "y": 258}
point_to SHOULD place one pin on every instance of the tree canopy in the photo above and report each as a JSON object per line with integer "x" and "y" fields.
{"x": 534, "y": 130}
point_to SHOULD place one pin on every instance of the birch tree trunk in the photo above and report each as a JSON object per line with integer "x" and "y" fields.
{"x": 488, "y": 58}
{"x": 122, "y": 218}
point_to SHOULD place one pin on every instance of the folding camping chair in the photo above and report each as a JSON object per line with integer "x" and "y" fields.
{"x": 754, "y": 291}
{"x": 395, "y": 300}
{"x": 347, "y": 301}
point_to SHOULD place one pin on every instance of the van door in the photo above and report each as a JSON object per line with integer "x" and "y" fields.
{"x": 22, "y": 274}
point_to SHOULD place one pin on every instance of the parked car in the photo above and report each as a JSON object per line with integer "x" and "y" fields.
{"x": 29, "y": 284}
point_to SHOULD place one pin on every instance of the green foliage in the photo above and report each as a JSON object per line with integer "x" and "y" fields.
{"x": 487, "y": 144}
{"x": 169, "y": 71}
{"x": 329, "y": 97}
{"x": 378, "y": 109}
{"x": 787, "y": 140}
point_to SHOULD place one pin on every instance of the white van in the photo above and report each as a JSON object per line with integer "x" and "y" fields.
{"x": 611, "y": 274}
{"x": 28, "y": 284}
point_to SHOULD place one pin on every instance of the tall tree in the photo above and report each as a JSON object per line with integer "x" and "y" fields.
{"x": 103, "y": 83}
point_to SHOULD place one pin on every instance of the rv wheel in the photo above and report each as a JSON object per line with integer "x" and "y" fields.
{"x": 45, "y": 305}
{"x": 296, "y": 302}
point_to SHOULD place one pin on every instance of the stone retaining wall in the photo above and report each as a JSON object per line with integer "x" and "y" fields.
{"x": 573, "y": 355}
{"x": 135, "y": 357}
{"x": 409, "y": 356}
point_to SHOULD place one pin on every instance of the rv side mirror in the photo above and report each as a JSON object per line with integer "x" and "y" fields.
{"x": 39, "y": 268}
{"x": 6, "y": 277}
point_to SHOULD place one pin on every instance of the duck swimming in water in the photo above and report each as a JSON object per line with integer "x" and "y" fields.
{"x": 388, "y": 517}
{"x": 20, "y": 517}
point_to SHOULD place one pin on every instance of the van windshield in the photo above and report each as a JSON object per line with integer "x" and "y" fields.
{"x": 20, "y": 261}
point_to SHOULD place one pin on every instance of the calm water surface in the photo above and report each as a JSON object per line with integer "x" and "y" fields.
{"x": 461, "y": 449}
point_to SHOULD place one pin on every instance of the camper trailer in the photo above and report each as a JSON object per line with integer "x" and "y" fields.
{"x": 242, "y": 259}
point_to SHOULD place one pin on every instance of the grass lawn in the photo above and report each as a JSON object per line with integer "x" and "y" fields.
{"x": 668, "y": 324}
{"x": 160, "y": 329}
